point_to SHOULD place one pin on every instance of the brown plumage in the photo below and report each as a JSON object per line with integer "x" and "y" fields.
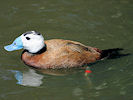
{"x": 57, "y": 53}
{"x": 62, "y": 54}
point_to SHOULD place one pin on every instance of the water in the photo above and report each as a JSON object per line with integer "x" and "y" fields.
{"x": 98, "y": 23}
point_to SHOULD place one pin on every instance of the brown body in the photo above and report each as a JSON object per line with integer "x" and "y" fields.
{"x": 62, "y": 54}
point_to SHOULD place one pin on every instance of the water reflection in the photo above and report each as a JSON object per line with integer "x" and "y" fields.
{"x": 30, "y": 78}
{"x": 60, "y": 72}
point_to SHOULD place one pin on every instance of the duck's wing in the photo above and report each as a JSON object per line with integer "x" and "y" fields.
{"x": 68, "y": 45}
{"x": 78, "y": 47}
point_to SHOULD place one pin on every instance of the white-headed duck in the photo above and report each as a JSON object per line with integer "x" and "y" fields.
{"x": 54, "y": 53}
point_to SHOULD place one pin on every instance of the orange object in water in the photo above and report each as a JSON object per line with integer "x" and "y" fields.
{"x": 88, "y": 71}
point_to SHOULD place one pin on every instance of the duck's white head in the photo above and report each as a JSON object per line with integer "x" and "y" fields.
{"x": 31, "y": 41}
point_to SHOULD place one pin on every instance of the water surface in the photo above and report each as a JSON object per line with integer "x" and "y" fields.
{"x": 99, "y": 23}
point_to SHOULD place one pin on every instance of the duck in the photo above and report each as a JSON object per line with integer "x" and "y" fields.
{"x": 55, "y": 53}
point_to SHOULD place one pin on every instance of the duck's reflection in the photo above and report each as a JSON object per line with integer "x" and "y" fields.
{"x": 60, "y": 72}
{"x": 30, "y": 78}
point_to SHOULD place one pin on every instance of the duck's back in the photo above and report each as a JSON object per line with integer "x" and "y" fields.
{"x": 65, "y": 53}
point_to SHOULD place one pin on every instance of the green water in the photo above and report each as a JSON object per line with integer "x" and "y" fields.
{"x": 99, "y": 23}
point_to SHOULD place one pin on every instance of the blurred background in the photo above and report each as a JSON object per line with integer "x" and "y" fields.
{"x": 99, "y": 23}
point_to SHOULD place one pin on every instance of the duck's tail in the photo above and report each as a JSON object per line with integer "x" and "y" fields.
{"x": 112, "y": 53}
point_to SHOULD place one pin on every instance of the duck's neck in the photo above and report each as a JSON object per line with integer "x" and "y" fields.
{"x": 42, "y": 50}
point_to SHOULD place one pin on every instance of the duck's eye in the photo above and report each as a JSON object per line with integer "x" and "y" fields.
{"x": 27, "y": 38}
{"x": 38, "y": 34}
